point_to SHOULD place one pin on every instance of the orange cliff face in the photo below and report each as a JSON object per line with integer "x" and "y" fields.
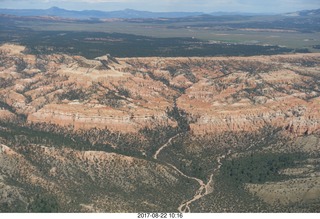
{"x": 127, "y": 94}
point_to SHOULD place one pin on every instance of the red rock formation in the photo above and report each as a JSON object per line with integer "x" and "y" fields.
{"x": 127, "y": 94}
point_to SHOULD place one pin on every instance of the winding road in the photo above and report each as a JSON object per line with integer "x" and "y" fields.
{"x": 204, "y": 189}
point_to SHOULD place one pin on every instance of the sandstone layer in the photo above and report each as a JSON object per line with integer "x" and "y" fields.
{"x": 128, "y": 94}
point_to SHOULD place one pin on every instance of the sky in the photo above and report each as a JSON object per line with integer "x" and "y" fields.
{"x": 252, "y": 6}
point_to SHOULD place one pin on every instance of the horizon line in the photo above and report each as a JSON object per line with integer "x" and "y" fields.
{"x": 130, "y": 9}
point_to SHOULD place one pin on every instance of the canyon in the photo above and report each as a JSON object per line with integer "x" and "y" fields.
{"x": 127, "y": 94}
{"x": 141, "y": 134}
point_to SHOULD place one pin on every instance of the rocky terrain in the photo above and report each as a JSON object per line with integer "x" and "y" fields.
{"x": 142, "y": 134}
{"x": 219, "y": 94}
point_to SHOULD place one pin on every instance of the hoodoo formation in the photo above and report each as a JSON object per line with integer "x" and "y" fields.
{"x": 127, "y": 94}
{"x": 209, "y": 134}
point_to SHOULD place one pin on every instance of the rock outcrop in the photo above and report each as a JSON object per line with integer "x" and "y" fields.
{"x": 127, "y": 94}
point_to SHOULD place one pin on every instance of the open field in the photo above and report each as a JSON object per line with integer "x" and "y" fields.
{"x": 288, "y": 39}
{"x": 199, "y": 36}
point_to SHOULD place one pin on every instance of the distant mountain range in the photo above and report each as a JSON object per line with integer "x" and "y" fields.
{"x": 129, "y": 13}
{"x": 91, "y": 14}
{"x": 315, "y": 12}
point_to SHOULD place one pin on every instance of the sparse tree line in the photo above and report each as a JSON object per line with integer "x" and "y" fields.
{"x": 131, "y": 45}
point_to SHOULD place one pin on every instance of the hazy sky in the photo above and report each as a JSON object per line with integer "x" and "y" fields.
{"x": 266, "y": 6}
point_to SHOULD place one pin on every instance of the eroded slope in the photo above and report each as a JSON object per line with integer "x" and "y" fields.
{"x": 159, "y": 134}
{"x": 220, "y": 94}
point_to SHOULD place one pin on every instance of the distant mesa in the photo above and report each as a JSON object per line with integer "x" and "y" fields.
{"x": 130, "y": 13}
{"x": 90, "y": 14}
{"x": 304, "y": 13}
